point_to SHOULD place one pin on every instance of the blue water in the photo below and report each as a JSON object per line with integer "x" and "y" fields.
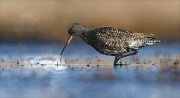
{"x": 39, "y": 81}
{"x": 88, "y": 83}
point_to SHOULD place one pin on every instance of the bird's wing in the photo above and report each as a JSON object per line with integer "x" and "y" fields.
{"x": 114, "y": 32}
{"x": 112, "y": 35}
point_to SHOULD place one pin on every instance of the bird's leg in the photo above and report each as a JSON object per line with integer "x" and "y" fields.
{"x": 130, "y": 53}
{"x": 117, "y": 62}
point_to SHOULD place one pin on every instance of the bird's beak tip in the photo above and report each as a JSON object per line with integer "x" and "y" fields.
{"x": 68, "y": 41}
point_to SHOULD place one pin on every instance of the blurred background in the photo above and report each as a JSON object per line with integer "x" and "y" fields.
{"x": 33, "y": 32}
{"x": 48, "y": 20}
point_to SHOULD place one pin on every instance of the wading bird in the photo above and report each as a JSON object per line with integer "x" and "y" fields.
{"x": 111, "y": 41}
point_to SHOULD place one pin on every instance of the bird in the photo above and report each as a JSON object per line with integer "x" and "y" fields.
{"x": 111, "y": 41}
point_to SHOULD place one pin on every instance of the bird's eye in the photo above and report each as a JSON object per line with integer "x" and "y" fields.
{"x": 73, "y": 30}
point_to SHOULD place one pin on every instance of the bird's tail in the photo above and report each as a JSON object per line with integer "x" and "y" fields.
{"x": 150, "y": 39}
{"x": 141, "y": 40}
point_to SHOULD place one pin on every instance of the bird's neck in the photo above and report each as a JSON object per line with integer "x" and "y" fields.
{"x": 84, "y": 35}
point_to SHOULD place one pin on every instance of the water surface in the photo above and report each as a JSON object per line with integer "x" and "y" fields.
{"x": 35, "y": 71}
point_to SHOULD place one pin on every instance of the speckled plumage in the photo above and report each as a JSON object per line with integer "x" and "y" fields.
{"x": 112, "y": 41}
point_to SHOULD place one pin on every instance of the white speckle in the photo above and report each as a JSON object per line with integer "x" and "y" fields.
{"x": 135, "y": 44}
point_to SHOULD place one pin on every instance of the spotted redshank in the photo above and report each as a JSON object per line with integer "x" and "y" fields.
{"x": 111, "y": 41}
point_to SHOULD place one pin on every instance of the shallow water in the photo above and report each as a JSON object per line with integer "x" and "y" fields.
{"x": 35, "y": 71}
{"x": 88, "y": 82}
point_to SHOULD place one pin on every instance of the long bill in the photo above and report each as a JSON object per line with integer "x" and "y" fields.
{"x": 68, "y": 41}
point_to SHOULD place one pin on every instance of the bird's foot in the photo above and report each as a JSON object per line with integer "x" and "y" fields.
{"x": 117, "y": 61}
{"x": 116, "y": 65}
{"x": 120, "y": 65}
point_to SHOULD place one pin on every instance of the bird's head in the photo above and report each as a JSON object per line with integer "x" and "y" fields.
{"x": 76, "y": 29}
